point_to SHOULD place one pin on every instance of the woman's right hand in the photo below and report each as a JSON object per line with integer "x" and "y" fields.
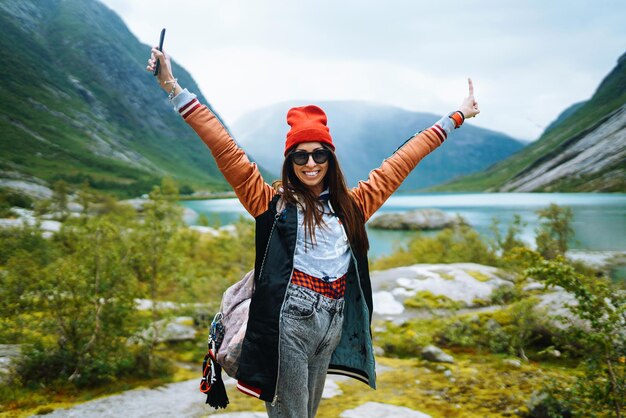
{"x": 469, "y": 107}
{"x": 165, "y": 77}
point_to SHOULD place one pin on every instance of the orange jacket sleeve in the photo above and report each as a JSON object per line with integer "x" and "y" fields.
{"x": 244, "y": 176}
{"x": 383, "y": 181}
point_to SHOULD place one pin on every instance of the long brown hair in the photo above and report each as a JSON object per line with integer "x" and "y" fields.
{"x": 295, "y": 191}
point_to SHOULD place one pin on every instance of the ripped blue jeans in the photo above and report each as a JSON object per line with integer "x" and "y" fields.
{"x": 310, "y": 331}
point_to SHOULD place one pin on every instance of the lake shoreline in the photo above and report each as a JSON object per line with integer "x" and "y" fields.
{"x": 599, "y": 218}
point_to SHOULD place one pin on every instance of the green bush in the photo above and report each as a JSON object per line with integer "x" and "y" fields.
{"x": 510, "y": 330}
{"x": 549, "y": 403}
{"x": 601, "y": 308}
{"x": 10, "y": 198}
{"x": 555, "y": 230}
{"x": 503, "y": 295}
{"x": 405, "y": 340}
{"x": 452, "y": 245}
{"x": 71, "y": 298}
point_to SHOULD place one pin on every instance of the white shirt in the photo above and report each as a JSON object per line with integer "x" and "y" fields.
{"x": 328, "y": 257}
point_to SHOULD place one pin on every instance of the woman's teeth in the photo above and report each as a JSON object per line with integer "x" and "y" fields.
{"x": 311, "y": 173}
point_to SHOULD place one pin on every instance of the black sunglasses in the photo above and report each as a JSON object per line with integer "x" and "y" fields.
{"x": 320, "y": 156}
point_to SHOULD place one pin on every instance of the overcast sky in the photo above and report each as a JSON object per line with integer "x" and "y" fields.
{"x": 529, "y": 59}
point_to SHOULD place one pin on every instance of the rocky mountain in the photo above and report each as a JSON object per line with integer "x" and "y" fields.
{"x": 366, "y": 133}
{"x": 77, "y": 103}
{"x": 583, "y": 150}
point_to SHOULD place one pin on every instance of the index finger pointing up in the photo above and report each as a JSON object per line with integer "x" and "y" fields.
{"x": 471, "y": 87}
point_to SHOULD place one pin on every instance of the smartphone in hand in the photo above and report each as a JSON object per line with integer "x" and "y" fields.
{"x": 157, "y": 67}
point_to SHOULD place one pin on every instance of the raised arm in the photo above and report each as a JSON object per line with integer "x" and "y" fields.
{"x": 243, "y": 175}
{"x": 383, "y": 181}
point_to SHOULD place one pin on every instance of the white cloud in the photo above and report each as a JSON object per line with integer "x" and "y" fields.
{"x": 529, "y": 60}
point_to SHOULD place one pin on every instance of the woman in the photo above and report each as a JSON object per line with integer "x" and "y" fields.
{"x": 312, "y": 306}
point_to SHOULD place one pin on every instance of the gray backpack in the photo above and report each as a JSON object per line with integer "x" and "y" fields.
{"x": 229, "y": 325}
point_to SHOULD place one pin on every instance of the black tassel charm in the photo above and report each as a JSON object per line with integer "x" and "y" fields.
{"x": 212, "y": 384}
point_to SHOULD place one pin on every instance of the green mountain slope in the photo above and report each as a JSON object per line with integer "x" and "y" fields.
{"x": 583, "y": 150}
{"x": 78, "y": 104}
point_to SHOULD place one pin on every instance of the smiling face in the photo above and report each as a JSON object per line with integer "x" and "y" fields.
{"x": 311, "y": 174}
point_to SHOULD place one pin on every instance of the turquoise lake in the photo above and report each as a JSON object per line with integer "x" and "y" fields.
{"x": 599, "y": 218}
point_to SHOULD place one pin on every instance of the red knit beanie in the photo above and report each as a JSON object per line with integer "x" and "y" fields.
{"x": 308, "y": 124}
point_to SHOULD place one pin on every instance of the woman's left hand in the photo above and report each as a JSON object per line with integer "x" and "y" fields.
{"x": 165, "y": 76}
{"x": 469, "y": 107}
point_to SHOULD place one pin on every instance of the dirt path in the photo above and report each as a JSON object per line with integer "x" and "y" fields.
{"x": 173, "y": 400}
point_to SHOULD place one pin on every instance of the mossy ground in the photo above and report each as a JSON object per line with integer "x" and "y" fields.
{"x": 481, "y": 277}
{"x": 480, "y": 385}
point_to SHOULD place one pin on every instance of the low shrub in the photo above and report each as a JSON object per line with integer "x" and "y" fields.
{"x": 510, "y": 330}
{"x": 452, "y": 245}
{"x": 426, "y": 300}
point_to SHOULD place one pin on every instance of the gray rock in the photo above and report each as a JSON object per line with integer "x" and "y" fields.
{"x": 554, "y": 353}
{"x": 386, "y": 304}
{"x": 534, "y": 286}
{"x": 542, "y": 405}
{"x": 8, "y": 354}
{"x": 462, "y": 282}
{"x": 554, "y": 306}
{"x": 331, "y": 389}
{"x": 512, "y": 362}
{"x": 382, "y": 410}
{"x": 27, "y": 217}
{"x": 432, "y": 353}
{"x": 176, "y": 329}
{"x": 10, "y": 350}
{"x": 136, "y": 204}
{"x": 189, "y": 215}
{"x": 231, "y": 229}
{"x": 147, "y": 304}
{"x": 598, "y": 259}
{"x": 28, "y": 187}
{"x": 418, "y": 219}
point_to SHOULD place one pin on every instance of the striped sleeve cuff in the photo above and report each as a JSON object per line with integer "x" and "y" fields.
{"x": 185, "y": 103}
{"x": 442, "y": 128}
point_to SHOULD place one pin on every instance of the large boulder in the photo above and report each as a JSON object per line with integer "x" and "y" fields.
{"x": 460, "y": 282}
{"x": 419, "y": 219}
